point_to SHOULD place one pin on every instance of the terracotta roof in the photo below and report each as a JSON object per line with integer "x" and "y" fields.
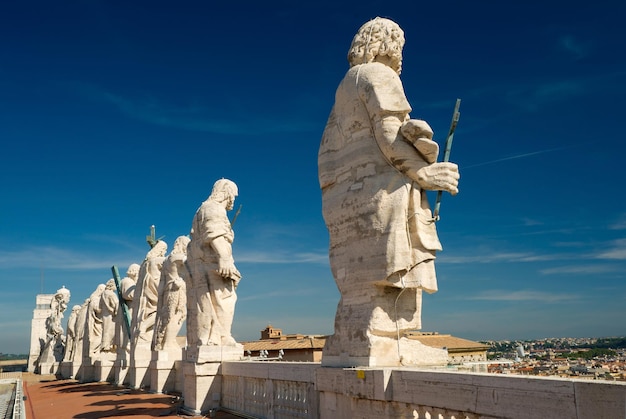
{"x": 309, "y": 342}
{"x": 452, "y": 343}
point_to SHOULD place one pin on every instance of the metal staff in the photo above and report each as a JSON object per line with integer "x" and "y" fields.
{"x": 118, "y": 285}
{"x": 446, "y": 154}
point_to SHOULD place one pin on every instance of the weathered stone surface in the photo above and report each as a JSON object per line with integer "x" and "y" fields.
{"x": 213, "y": 278}
{"x": 374, "y": 165}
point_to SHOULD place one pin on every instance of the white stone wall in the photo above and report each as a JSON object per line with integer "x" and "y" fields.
{"x": 307, "y": 390}
{"x": 270, "y": 389}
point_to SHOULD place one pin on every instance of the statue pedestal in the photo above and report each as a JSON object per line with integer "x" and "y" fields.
{"x": 77, "y": 369}
{"x": 66, "y": 369}
{"x": 382, "y": 352}
{"x": 138, "y": 376}
{"x": 140, "y": 356}
{"x": 103, "y": 368}
{"x": 48, "y": 368}
{"x": 120, "y": 372}
{"x": 201, "y": 376}
{"x": 166, "y": 370}
{"x": 86, "y": 372}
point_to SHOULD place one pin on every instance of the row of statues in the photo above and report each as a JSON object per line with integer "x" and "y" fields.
{"x": 375, "y": 165}
{"x": 196, "y": 282}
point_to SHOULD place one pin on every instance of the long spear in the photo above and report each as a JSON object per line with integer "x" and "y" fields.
{"x": 446, "y": 154}
{"x": 123, "y": 303}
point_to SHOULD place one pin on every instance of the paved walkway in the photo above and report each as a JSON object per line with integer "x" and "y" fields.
{"x": 65, "y": 399}
{"x": 7, "y": 392}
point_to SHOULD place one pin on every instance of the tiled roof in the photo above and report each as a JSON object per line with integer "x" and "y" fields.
{"x": 309, "y": 342}
{"x": 452, "y": 343}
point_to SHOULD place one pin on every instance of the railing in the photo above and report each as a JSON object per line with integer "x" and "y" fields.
{"x": 275, "y": 390}
{"x": 270, "y": 390}
{"x": 19, "y": 410}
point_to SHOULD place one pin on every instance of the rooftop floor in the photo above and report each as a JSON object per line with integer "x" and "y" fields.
{"x": 50, "y": 398}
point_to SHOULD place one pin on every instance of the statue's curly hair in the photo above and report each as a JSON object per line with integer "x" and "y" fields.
{"x": 222, "y": 188}
{"x": 379, "y": 36}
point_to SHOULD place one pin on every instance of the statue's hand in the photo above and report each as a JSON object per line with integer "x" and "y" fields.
{"x": 227, "y": 270}
{"x": 439, "y": 177}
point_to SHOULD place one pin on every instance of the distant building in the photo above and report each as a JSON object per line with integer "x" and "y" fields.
{"x": 460, "y": 351}
{"x": 296, "y": 347}
{"x": 38, "y": 328}
{"x": 303, "y": 348}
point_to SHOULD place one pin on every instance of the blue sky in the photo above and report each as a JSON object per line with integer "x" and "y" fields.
{"x": 118, "y": 115}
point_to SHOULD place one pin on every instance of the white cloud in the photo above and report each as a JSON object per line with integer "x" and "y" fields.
{"x": 616, "y": 250}
{"x": 574, "y": 47}
{"x": 197, "y": 118}
{"x": 48, "y": 257}
{"x": 620, "y": 224}
{"x": 281, "y": 257}
{"x": 580, "y": 269}
{"x": 495, "y": 257}
{"x": 500, "y": 295}
{"x": 282, "y": 293}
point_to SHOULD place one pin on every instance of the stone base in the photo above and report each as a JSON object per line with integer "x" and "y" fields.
{"x": 166, "y": 371}
{"x": 138, "y": 376}
{"x": 48, "y": 368}
{"x": 86, "y": 373}
{"x": 120, "y": 372}
{"x": 103, "y": 370}
{"x": 77, "y": 369}
{"x": 202, "y": 387}
{"x": 385, "y": 352}
{"x": 66, "y": 369}
{"x": 212, "y": 353}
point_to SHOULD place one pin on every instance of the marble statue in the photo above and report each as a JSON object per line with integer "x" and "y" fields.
{"x": 70, "y": 334}
{"x": 127, "y": 287}
{"x": 375, "y": 164}
{"x": 172, "y": 301}
{"x": 94, "y": 322}
{"x": 109, "y": 305}
{"x": 213, "y": 278}
{"x": 146, "y": 296}
{"x": 54, "y": 347}
{"x": 80, "y": 343}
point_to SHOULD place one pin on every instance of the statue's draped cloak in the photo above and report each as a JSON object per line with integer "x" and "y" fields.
{"x": 379, "y": 221}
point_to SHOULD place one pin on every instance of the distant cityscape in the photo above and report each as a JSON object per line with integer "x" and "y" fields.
{"x": 581, "y": 358}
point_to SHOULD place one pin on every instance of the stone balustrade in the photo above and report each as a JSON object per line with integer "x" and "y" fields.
{"x": 270, "y": 389}
{"x": 307, "y": 390}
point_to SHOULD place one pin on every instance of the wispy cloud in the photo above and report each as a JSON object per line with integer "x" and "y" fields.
{"x": 499, "y": 257}
{"x": 281, "y": 257}
{"x": 197, "y": 118}
{"x": 502, "y": 295}
{"x": 580, "y": 269}
{"x": 48, "y": 257}
{"x": 619, "y": 224}
{"x": 615, "y": 250}
{"x": 575, "y": 48}
{"x": 516, "y": 156}
{"x": 268, "y": 296}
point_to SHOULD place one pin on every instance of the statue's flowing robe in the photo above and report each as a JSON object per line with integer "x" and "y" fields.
{"x": 379, "y": 221}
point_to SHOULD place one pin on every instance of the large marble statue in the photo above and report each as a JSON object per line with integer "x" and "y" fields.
{"x": 213, "y": 278}
{"x": 172, "y": 303}
{"x": 374, "y": 165}
{"x": 109, "y": 303}
{"x": 54, "y": 347}
{"x": 127, "y": 287}
{"x": 146, "y": 296}
{"x": 94, "y": 322}
{"x": 70, "y": 334}
{"x": 81, "y": 336}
